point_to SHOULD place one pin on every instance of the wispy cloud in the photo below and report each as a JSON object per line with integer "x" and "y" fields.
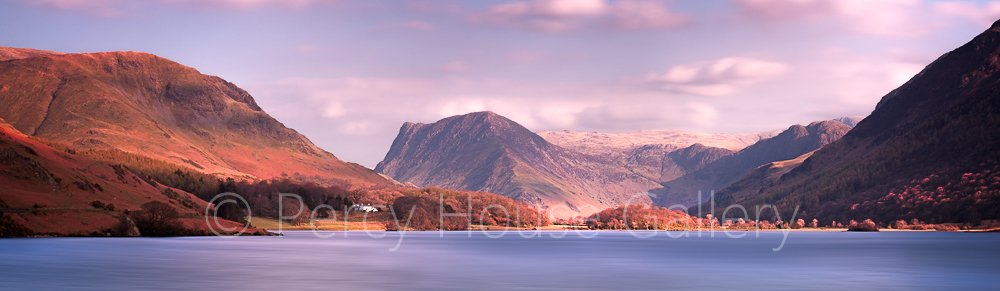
{"x": 715, "y": 78}
{"x": 572, "y": 15}
{"x": 124, "y": 8}
{"x": 416, "y": 25}
{"x": 101, "y": 8}
{"x": 640, "y": 14}
{"x": 456, "y": 67}
{"x": 248, "y": 4}
{"x": 896, "y": 18}
{"x": 984, "y": 14}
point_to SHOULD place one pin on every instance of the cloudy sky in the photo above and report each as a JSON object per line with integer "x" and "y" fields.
{"x": 348, "y": 73}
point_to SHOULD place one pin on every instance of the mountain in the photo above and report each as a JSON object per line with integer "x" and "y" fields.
{"x": 791, "y": 143}
{"x": 928, "y": 151}
{"x": 142, "y": 103}
{"x": 484, "y": 151}
{"x": 596, "y": 143}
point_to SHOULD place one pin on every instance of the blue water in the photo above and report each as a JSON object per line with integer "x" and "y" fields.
{"x": 425, "y": 261}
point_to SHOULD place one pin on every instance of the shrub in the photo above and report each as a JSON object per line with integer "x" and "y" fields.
{"x": 867, "y": 225}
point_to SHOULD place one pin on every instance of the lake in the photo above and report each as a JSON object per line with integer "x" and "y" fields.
{"x": 425, "y": 261}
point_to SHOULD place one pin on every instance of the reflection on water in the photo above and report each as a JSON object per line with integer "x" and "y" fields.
{"x": 425, "y": 261}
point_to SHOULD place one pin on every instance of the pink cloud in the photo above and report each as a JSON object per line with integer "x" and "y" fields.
{"x": 248, "y": 4}
{"x": 572, "y": 15}
{"x": 984, "y": 14}
{"x": 570, "y": 7}
{"x": 120, "y": 8}
{"x": 785, "y": 10}
{"x": 715, "y": 78}
{"x": 644, "y": 14}
{"x": 895, "y": 18}
{"x": 434, "y": 7}
{"x": 532, "y": 57}
{"x": 409, "y": 25}
{"x": 101, "y": 8}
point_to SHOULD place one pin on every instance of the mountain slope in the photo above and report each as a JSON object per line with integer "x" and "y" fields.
{"x": 53, "y": 192}
{"x": 791, "y": 143}
{"x": 928, "y": 150}
{"x": 754, "y": 182}
{"x": 141, "y": 103}
{"x": 484, "y": 151}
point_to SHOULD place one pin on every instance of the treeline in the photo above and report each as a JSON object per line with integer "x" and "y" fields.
{"x": 423, "y": 209}
{"x": 640, "y": 217}
{"x": 264, "y": 198}
{"x": 154, "y": 170}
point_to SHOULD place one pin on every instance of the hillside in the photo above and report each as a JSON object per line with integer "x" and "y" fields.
{"x": 928, "y": 151}
{"x": 141, "y": 103}
{"x": 484, "y": 151}
{"x": 53, "y": 192}
{"x": 754, "y": 182}
{"x": 789, "y": 144}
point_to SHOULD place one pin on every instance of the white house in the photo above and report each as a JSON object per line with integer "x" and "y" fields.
{"x": 364, "y": 208}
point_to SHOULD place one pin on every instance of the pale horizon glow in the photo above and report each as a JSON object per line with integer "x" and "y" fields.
{"x": 348, "y": 73}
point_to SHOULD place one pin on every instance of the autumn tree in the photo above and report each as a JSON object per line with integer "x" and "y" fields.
{"x": 158, "y": 219}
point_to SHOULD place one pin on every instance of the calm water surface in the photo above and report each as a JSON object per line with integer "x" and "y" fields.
{"x": 426, "y": 261}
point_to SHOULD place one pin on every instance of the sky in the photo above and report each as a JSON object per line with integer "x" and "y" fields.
{"x": 348, "y": 73}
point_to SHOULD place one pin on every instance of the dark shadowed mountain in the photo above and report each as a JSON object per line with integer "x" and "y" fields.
{"x": 141, "y": 103}
{"x": 484, "y": 151}
{"x": 928, "y": 151}
{"x": 793, "y": 142}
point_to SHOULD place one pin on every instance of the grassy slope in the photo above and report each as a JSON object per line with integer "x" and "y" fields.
{"x": 57, "y": 188}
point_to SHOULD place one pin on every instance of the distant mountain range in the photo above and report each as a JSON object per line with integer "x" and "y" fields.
{"x": 791, "y": 143}
{"x": 141, "y": 103}
{"x": 484, "y": 151}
